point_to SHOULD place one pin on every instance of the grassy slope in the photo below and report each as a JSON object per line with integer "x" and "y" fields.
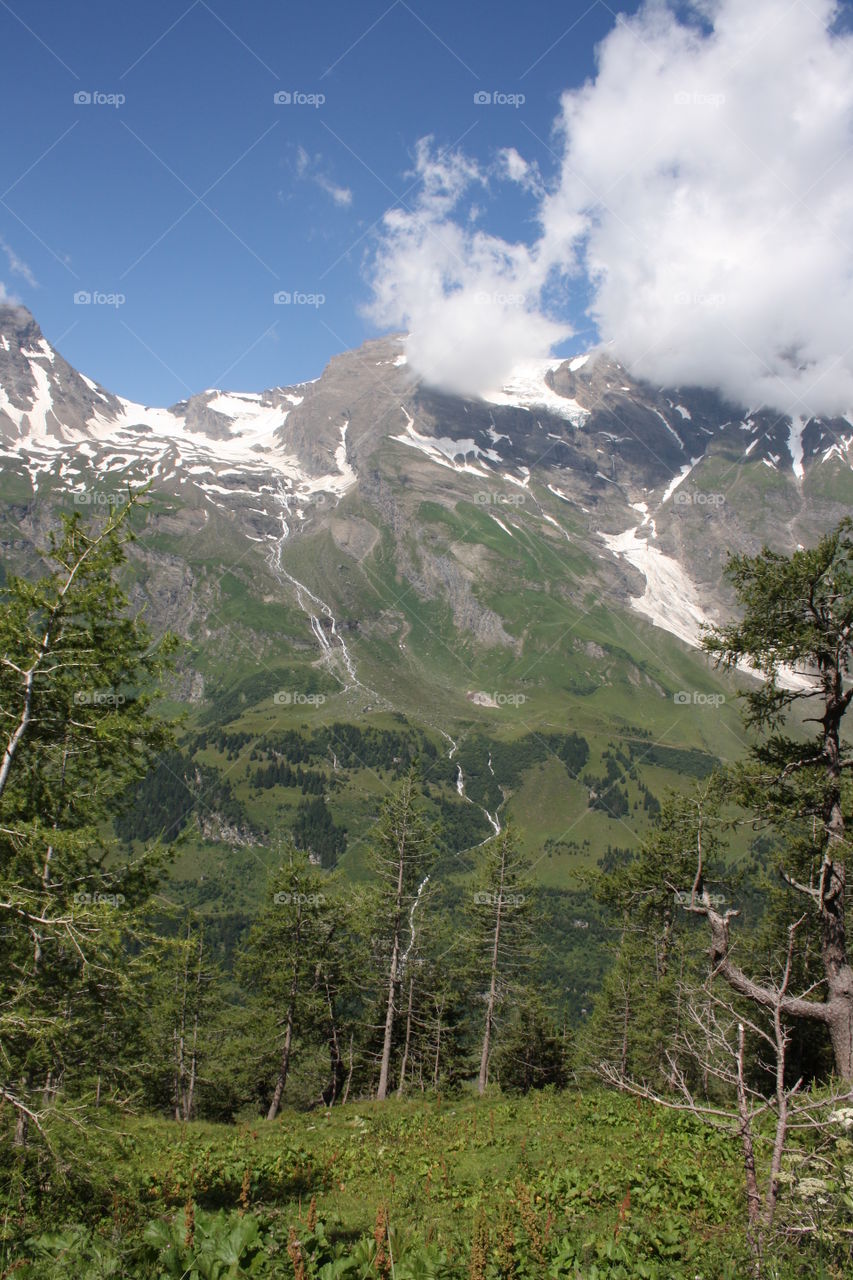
{"x": 580, "y": 1184}
{"x": 591, "y": 1166}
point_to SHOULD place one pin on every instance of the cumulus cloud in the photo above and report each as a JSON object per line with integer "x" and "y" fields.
{"x": 705, "y": 193}
{"x": 470, "y": 300}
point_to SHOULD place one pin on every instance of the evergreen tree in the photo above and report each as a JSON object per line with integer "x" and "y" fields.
{"x": 532, "y": 1053}
{"x": 500, "y": 932}
{"x": 797, "y": 618}
{"x": 178, "y": 1004}
{"x": 403, "y": 849}
{"x": 637, "y": 1013}
{"x": 77, "y": 673}
{"x": 282, "y": 962}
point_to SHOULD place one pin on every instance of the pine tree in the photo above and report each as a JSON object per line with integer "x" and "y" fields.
{"x": 798, "y": 616}
{"x": 500, "y": 933}
{"x": 636, "y": 1015}
{"x": 532, "y": 1052}
{"x": 403, "y": 851}
{"x": 282, "y": 961}
{"x": 77, "y": 675}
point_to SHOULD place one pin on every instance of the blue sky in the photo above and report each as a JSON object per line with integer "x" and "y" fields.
{"x": 198, "y": 197}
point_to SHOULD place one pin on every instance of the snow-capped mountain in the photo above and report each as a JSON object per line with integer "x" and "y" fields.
{"x": 57, "y": 421}
{"x": 653, "y": 484}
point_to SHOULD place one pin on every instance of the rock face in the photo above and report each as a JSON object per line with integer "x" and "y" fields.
{"x": 650, "y": 486}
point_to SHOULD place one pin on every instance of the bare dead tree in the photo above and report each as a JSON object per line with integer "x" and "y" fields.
{"x": 714, "y": 1037}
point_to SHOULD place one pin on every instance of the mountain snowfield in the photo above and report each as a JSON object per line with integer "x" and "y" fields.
{"x": 607, "y": 447}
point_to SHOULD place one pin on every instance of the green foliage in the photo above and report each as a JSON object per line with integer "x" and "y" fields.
{"x": 532, "y": 1053}
{"x": 220, "y": 1247}
{"x": 491, "y": 766}
{"x": 637, "y": 1014}
{"x": 549, "y": 1185}
{"x": 798, "y": 610}
{"x": 176, "y": 790}
{"x": 284, "y": 960}
{"x": 78, "y": 672}
{"x": 315, "y": 830}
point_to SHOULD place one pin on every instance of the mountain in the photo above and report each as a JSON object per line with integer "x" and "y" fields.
{"x": 379, "y": 569}
{"x": 648, "y": 468}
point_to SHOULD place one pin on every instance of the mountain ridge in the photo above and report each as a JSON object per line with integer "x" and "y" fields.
{"x": 578, "y": 437}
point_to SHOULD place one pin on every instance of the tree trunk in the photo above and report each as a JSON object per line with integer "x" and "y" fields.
{"x": 626, "y": 1016}
{"x": 839, "y": 975}
{"x": 22, "y": 1128}
{"x": 493, "y": 983}
{"x": 178, "y": 1036}
{"x": 753, "y": 1199}
{"x": 408, "y": 1041}
{"x": 437, "y": 1046}
{"x": 285, "y": 1053}
{"x": 349, "y": 1075}
{"x": 336, "y": 1062}
{"x": 384, "y": 1071}
{"x": 179, "y": 1071}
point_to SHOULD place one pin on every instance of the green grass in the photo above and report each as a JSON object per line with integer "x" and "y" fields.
{"x": 584, "y": 1184}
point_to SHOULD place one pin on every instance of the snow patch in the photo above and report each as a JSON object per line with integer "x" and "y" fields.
{"x": 42, "y": 403}
{"x": 672, "y": 431}
{"x": 678, "y": 479}
{"x": 670, "y": 600}
{"x": 441, "y": 449}
{"x": 502, "y": 525}
{"x": 795, "y": 445}
{"x": 349, "y": 476}
{"x": 526, "y": 388}
{"x": 46, "y": 352}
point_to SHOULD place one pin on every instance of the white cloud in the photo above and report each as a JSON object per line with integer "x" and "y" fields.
{"x": 17, "y": 265}
{"x": 341, "y": 195}
{"x": 310, "y": 167}
{"x": 513, "y": 166}
{"x": 470, "y": 301}
{"x": 706, "y": 190}
{"x": 7, "y": 298}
